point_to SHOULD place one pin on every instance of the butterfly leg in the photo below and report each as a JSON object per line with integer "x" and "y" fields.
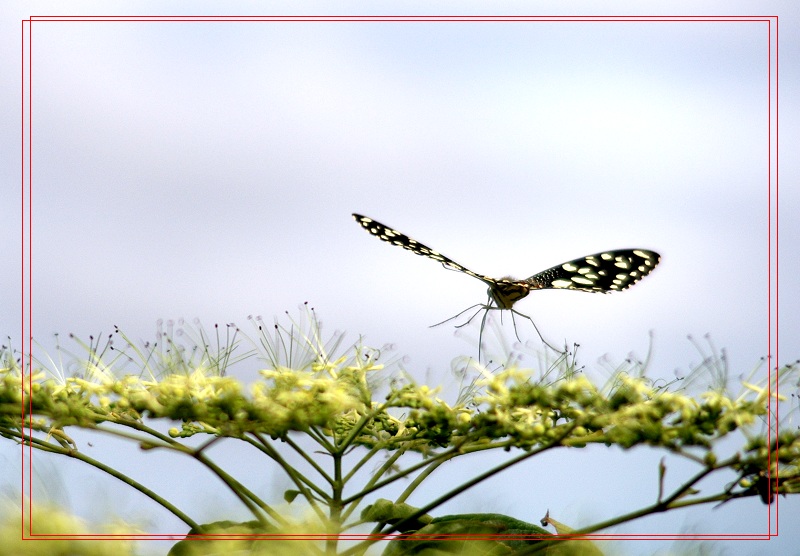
{"x": 484, "y": 308}
{"x": 461, "y": 313}
{"x": 545, "y": 342}
{"x": 480, "y": 334}
{"x": 514, "y": 323}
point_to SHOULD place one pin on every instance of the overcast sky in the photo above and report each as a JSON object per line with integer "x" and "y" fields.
{"x": 209, "y": 170}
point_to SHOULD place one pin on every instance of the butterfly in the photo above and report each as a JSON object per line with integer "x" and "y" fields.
{"x": 603, "y": 272}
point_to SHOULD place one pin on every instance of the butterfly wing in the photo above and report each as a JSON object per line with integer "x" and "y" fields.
{"x": 603, "y": 272}
{"x": 390, "y": 235}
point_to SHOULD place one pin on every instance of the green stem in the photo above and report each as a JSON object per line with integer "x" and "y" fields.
{"x": 71, "y": 453}
{"x": 450, "y": 453}
{"x": 671, "y": 503}
{"x": 320, "y": 439}
{"x": 308, "y": 459}
{"x": 388, "y": 464}
{"x": 297, "y": 478}
{"x": 461, "y": 488}
{"x": 335, "y": 505}
{"x": 419, "y": 479}
{"x": 247, "y": 497}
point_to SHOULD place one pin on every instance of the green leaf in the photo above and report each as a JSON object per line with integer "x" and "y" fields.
{"x": 290, "y": 495}
{"x": 481, "y": 527}
{"x": 386, "y": 511}
{"x": 200, "y": 547}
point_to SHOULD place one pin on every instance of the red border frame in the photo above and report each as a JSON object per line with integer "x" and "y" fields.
{"x": 27, "y": 217}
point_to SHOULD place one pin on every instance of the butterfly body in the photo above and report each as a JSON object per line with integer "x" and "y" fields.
{"x": 507, "y": 291}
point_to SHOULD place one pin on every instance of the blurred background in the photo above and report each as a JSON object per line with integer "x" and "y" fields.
{"x": 208, "y": 170}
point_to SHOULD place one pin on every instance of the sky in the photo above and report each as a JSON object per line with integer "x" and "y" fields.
{"x": 208, "y": 170}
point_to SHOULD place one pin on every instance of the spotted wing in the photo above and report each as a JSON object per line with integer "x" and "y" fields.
{"x": 602, "y": 272}
{"x": 394, "y": 237}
